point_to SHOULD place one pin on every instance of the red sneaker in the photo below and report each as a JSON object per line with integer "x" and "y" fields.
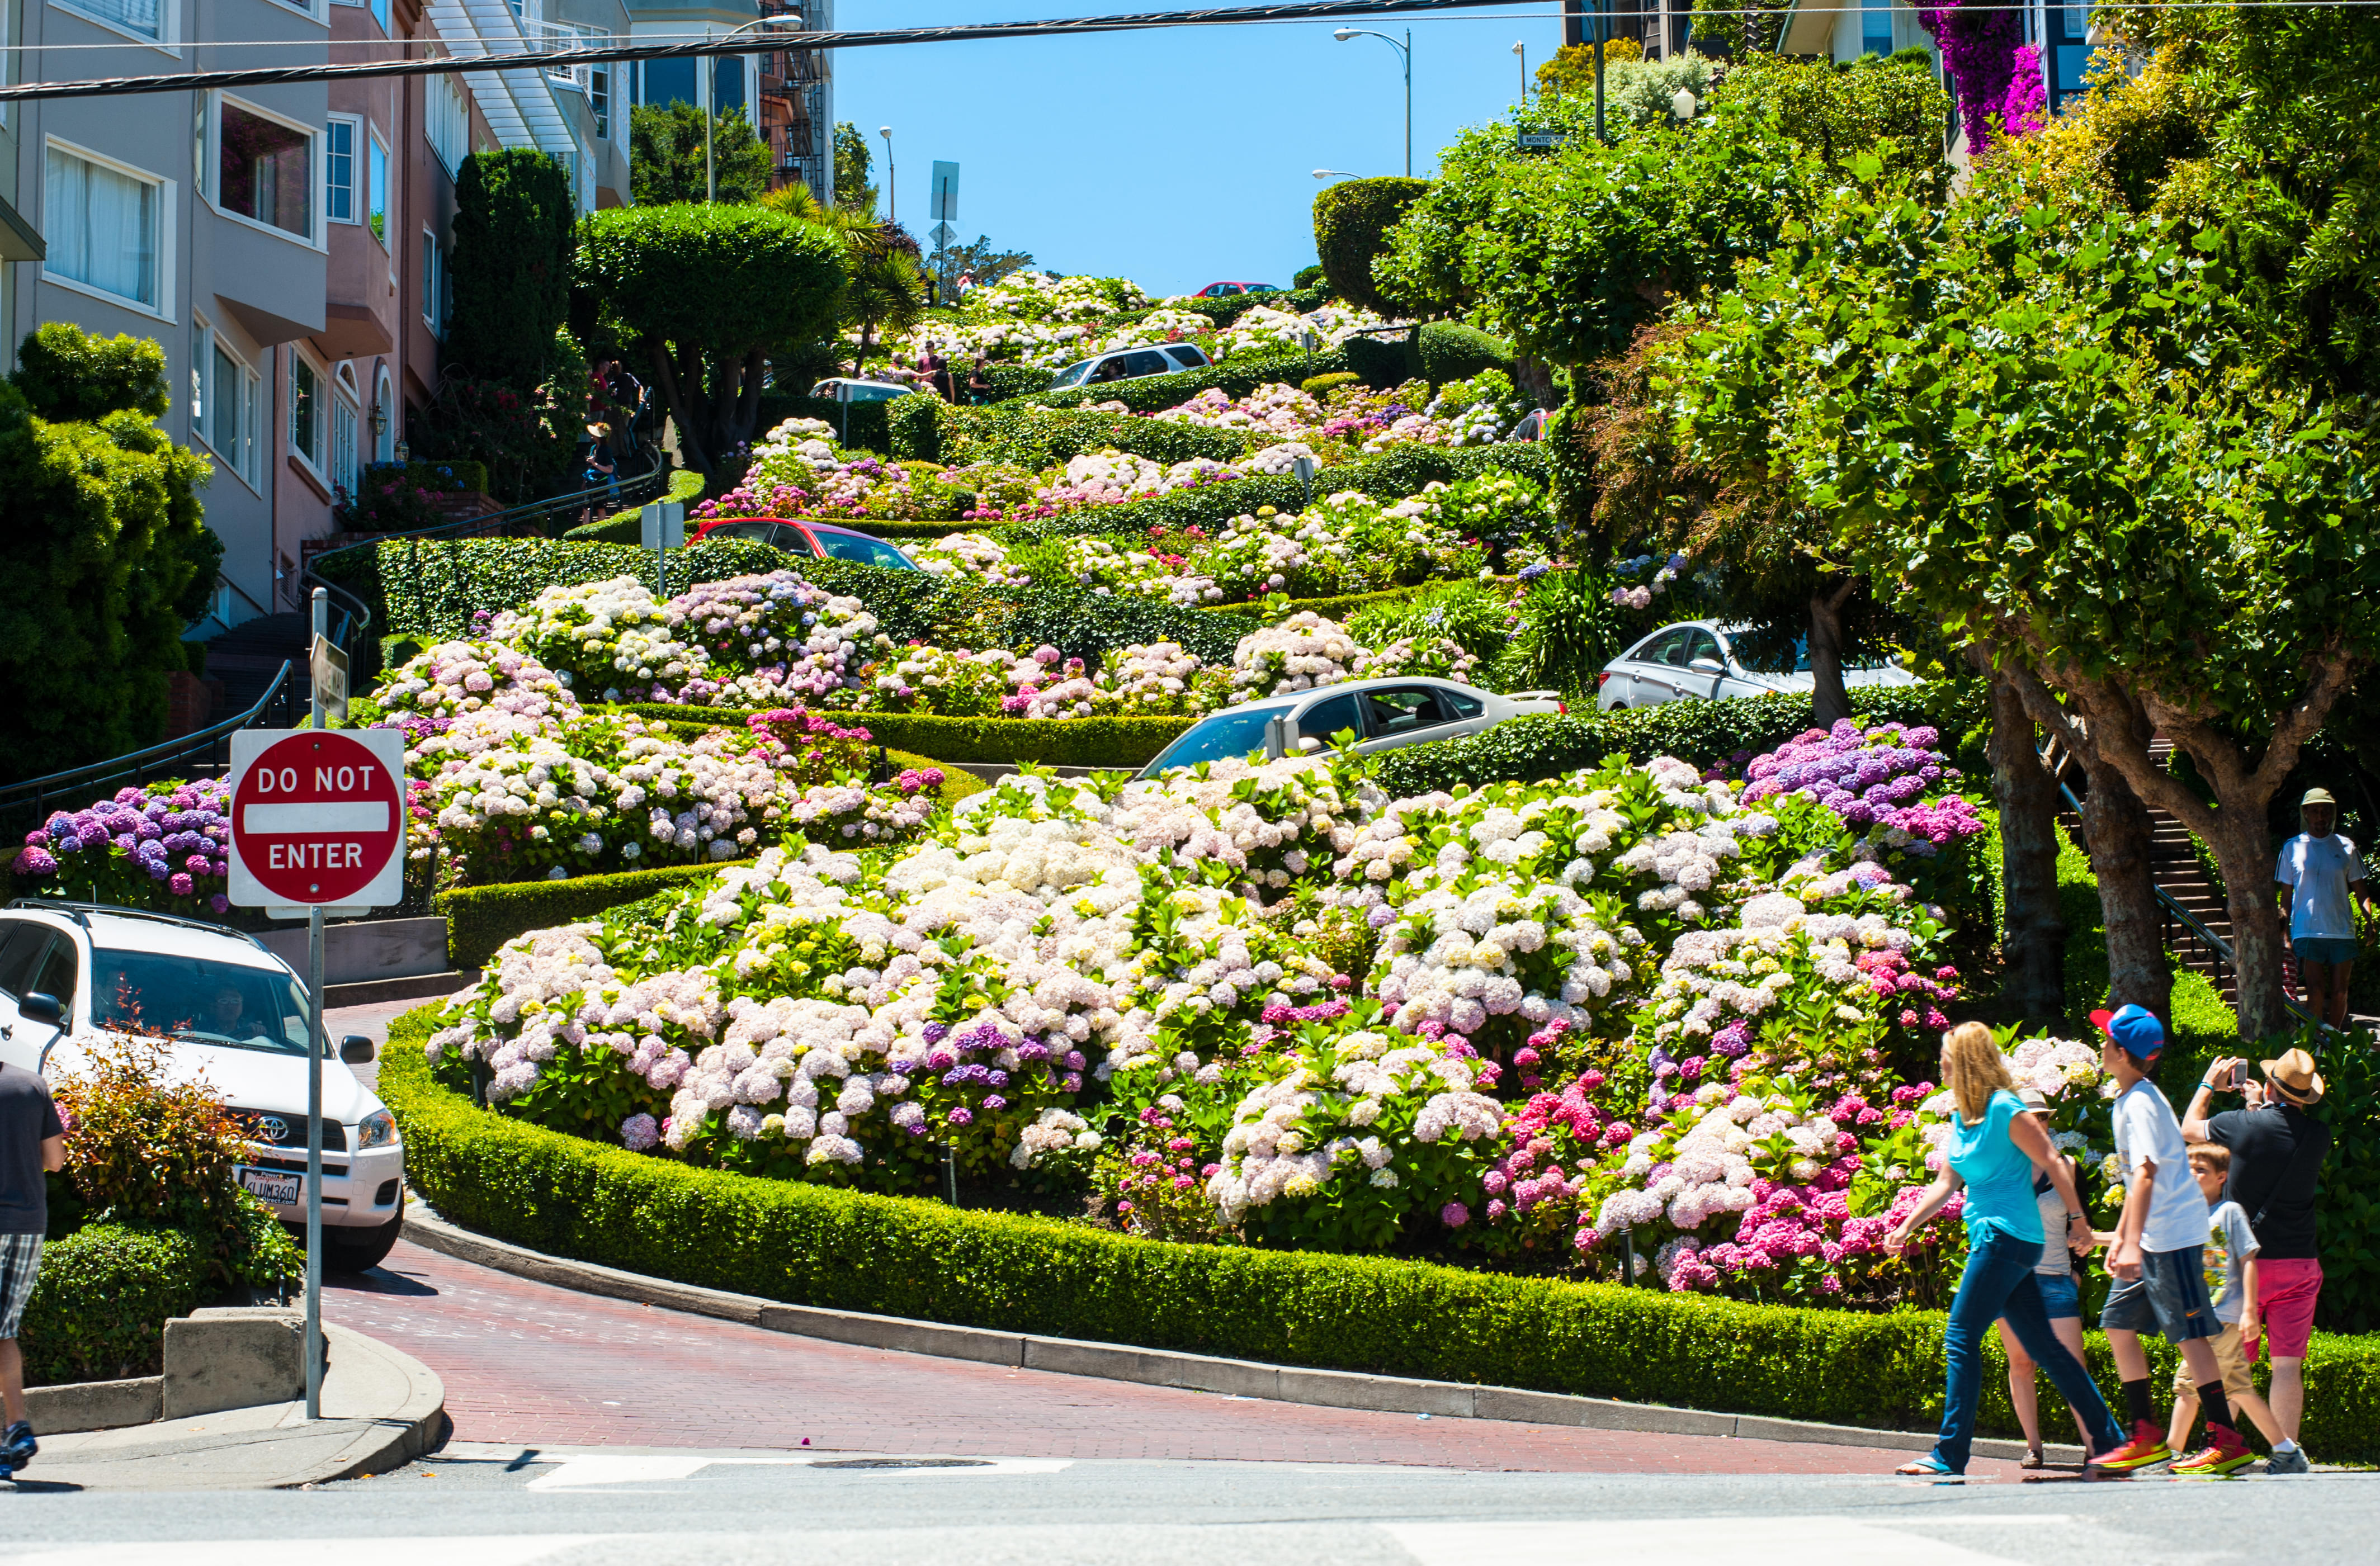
{"x": 2146, "y": 1447}
{"x": 2225, "y": 1451}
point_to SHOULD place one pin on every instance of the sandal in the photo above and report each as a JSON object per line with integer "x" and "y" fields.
{"x": 2032, "y": 1459}
{"x": 1926, "y": 1467}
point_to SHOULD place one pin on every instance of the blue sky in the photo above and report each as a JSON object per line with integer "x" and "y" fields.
{"x": 1178, "y": 157}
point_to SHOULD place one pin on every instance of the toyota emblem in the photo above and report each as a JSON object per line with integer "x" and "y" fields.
{"x": 273, "y": 1129}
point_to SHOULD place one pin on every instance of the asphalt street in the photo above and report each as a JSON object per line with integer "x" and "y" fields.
{"x": 490, "y": 1505}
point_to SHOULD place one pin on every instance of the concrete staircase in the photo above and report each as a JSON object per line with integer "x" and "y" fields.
{"x": 2175, "y": 866}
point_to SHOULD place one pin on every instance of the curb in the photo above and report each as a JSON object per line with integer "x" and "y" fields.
{"x": 1165, "y": 1368}
{"x": 394, "y": 1438}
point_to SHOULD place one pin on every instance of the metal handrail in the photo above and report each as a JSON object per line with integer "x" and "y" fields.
{"x": 38, "y": 791}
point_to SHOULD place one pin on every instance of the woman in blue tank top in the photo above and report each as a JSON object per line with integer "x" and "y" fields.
{"x": 1992, "y": 1153}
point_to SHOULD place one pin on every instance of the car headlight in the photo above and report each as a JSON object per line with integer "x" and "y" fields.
{"x": 376, "y": 1130}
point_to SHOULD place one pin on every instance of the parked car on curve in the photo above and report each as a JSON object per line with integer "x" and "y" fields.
{"x": 843, "y": 389}
{"x": 821, "y": 541}
{"x": 1231, "y": 290}
{"x": 1384, "y": 714}
{"x": 229, "y": 1010}
{"x": 1707, "y": 661}
{"x": 1131, "y": 364}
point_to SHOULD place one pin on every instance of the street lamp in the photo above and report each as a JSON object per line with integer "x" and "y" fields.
{"x": 1405, "y": 50}
{"x": 891, "y": 178}
{"x": 1520, "y": 53}
{"x": 1683, "y": 104}
{"x": 709, "y": 76}
{"x": 1335, "y": 174}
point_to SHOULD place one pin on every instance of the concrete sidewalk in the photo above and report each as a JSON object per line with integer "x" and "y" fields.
{"x": 380, "y": 1410}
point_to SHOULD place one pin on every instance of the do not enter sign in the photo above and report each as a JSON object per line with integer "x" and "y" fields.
{"x": 317, "y": 817}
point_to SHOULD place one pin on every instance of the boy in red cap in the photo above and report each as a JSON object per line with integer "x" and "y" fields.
{"x": 2157, "y": 1258}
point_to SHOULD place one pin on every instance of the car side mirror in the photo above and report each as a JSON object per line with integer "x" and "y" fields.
{"x": 39, "y": 1007}
{"x": 358, "y": 1051}
{"x": 1308, "y": 745}
{"x": 1708, "y": 666}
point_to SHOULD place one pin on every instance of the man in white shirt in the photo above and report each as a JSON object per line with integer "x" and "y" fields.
{"x": 2321, "y": 880}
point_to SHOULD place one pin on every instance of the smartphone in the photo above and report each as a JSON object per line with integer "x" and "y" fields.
{"x": 2238, "y": 1075}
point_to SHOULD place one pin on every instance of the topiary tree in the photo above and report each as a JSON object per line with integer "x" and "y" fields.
{"x": 665, "y": 156}
{"x": 1892, "y": 108}
{"x": 514, "y": 219}
{"x": 105, "y": 546}
{"x": 1350, "y": 226}
{"x": 701, "y": 294}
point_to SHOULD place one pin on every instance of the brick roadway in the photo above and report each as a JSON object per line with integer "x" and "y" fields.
{"x": 531, "y": 1364}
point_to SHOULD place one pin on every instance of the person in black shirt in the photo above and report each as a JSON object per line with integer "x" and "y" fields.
{"x": 2277, "y": 1153}
{"x": 32, "y": 1142}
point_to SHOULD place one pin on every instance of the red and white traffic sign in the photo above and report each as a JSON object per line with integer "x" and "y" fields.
{"x": 317, "y": 817}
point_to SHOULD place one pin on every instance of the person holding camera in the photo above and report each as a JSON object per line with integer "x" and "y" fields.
{"x": 2277, "y": 1152}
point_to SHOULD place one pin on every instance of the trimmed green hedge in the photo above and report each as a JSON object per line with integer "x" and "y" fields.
{"x": 1702, "y": 732}
{"x": 1031, "y": 436}
{"x": 810, "y": 1245}
{"x": 1049, "y": 742}
{"x": 1238, "y": 377}
{"x": 1452, "y": 351}
{"x": 1336, "y": 608}
{"x": 858, "y": 426}
{"x": 628, "y": 527}
{"x": 99, "y": 1308}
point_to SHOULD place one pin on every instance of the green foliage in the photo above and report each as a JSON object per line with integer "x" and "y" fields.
{"x": 2349, "y": 1217}
{"x": 884, "y": 290}
{"x": 511, "y": 268}
{"x": 1316, "y": 385}
{"x": 858, "y": 426}
{"x": 1452, "y": 351}
{"x": 1237, "y": 378}
{"x": 481, "y": 919}
{"x": 1031, "y": 435}
{"x": 1086, "y": 625}
{"x": 2201, "y": 1026}
{"x": 665, "y": 156}
{"x": 1570, "y": 630}
{"x": 700, "y": 294}
{"x": 1307, "y": 276}
{"x": 1700, "y": 731}
{"x": 1473, "y": 614}
{"x": 811, "y": 1245}
{"x": 99, "y": 1308}
{"x": 852, "y": 162}
{"x": 987, "y": 262}
{"x": 1567, "y": 254}
{"x": 1382, "y": 362}
{"x": 1350, "y": 224}
{"x": 105, "y": 548}
{"x": 1895, "y": 111}
{"x": 1571, "y": 69}
{"x": 628, "y": 527}
{"x": 523, "y": 438}
{"x": 1049, "y": 742}
{"x": 68, "y": 376}
{"x": 1743, "y": 28}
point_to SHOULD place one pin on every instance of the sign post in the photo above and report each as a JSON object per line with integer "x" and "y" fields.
{"x": 664, "y": 530}
{"x": 317, "y": 823}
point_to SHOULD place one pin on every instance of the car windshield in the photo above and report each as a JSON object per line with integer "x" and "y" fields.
{"x": 1071, "y": 374}
{"x": 192, "y": 997}
{"x": 1224, "y": 736}
{"x": 864, "y": 550}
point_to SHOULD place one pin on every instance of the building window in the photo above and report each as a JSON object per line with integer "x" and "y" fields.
{"x": 449, "y": 123}
{"x": 599, "y": 97}
{"x": 102, "y": 224}
{"x": 339, "y": 136}
{"x": 433, "y": 283}
{"x": 376, "y": 193}
{"x": 306, "y": 398}
{"x": 264, "y": 169}
{"x": 142, "y": 18}
{"x": 346, "y": 472}
{"x": 1875, "y": 27}
{"x": 380, "y": 14}
{"x": 384, "y": 401}
{"x": 226, "y": 395}
{"x": 669, "y": 81}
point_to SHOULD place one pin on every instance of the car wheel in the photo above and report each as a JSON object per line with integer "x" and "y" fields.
{"x": 356, "y": 1250}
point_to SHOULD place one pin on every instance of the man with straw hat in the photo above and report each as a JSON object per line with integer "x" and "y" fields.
{"x": 2277, "y": 1153}
{"x": 2321, "y": 880}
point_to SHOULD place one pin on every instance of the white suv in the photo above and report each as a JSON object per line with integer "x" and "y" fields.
{"x": 236, "y": 1015}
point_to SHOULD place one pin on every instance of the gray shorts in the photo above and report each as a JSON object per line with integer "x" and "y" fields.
{"x": 2170, "y": 1296}
{"x": 20, "y": 1263}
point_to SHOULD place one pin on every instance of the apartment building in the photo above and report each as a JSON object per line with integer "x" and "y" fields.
{"x": 788, "y": 95}
{"x": 292, "y": 261}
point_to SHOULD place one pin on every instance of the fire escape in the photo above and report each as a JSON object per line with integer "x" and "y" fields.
{"x": 796, "y": 103}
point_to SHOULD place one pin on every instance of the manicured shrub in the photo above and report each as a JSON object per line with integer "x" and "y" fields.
{"x": 1318, "y": 384}
{"x": 99, "y": 1309}
{"x": 810, "y": 1244}
{"x": 1154, "y": 393}
{"x": 481, "y": 919}
{"x": 628, "y": 527}
{"x": 1452, "y": 351}
{"x": 1381, "y": 363}
{"x": 1049, "y": 742}
{"x": 511, "y": 268}
{"x": 1033, "y": 436}
{"x": 1350, "y": 224}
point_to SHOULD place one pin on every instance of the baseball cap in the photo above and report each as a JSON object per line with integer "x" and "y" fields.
{"x": 2134, "y": 1028}
{"x": 2032, "y": 1100}
{"x": 2316, "y": 796}
{"x": 2292, "y": 1071}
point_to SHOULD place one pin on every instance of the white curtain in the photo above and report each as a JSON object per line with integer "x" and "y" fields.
{"x": 102, "y": 227}
{"x": 134, "y": 16}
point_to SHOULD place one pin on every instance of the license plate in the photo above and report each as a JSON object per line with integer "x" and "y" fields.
{"x": 287, "y": 1190}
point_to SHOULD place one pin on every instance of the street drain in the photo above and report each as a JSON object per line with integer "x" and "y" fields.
{"x": 905, "y": 1463}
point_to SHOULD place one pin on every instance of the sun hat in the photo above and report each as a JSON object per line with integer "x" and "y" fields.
{"x": 2292, "y": 1074}
{"x": 2032, "y": 1101}
{"x": 2316, "y": 796}
{"x": 2134, "y": 1028}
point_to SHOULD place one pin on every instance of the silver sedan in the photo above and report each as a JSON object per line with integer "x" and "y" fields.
{"x": 1382, "y": 715}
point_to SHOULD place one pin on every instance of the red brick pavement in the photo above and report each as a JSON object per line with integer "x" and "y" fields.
{"x": 529, "y": 1363}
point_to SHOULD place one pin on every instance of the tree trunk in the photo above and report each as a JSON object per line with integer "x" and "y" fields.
{"x": 681, "y": 406}
{"x": 1829, "y": 701}
{"x": 2116, "y": 833}
{"x": 2032, "y": 948}
{"x": 2243, "y": 851}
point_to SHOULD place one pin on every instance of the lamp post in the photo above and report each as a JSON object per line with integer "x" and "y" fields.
{"x": 710, "y": 108}
{"x": 1520, "y": 53}
{"x": 1335, "y": 174}
{"x": 891, "y": 178}
{"x": 1404, "y": 51}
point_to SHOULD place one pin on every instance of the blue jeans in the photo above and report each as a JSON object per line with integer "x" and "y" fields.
{"x": 1998, "y": 1284}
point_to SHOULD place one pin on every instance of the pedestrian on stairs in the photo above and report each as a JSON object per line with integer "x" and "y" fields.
{"x": 2321, "y": 880}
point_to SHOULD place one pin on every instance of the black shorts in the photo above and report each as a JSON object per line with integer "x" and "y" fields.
{"x": 2170, "y": 1296}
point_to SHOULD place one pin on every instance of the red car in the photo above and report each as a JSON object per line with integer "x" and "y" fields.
{"x": 1228, "y": 290}
{"x": 821, "y": 541}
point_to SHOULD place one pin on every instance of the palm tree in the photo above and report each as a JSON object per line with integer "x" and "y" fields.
{"x": 887, "y": 284}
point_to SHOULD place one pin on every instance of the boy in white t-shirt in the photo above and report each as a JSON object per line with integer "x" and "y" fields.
{"x": 2321, "y": 880}
{"x": 2231, "y": 1275}
{"x": 2158, "y": 1257}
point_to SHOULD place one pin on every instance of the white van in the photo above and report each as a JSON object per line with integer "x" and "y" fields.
{"x": 1131, "y": 364}
{"x": 236, "y": 1015}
